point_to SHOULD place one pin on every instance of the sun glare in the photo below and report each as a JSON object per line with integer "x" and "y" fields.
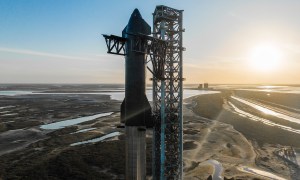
{"x": 265, "y": 57}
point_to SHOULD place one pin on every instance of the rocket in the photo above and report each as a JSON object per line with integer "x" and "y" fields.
{"x": 136, "y": 111}
{"x": 135, "y": 108}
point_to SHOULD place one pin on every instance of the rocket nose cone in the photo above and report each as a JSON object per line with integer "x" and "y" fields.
{"x": 137, "y": 24}
{"x": 136, "y": 11}
{"x": 136, "y": 14}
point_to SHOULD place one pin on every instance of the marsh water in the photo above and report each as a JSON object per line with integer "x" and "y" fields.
{"x": 115, "y": 94}
{"x": 99, "y": 139}
{"x": 74, "y": 121}
{"x": 268, "y": 111}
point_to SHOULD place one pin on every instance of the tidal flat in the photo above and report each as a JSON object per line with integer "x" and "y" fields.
{"x": 215, "y": 135}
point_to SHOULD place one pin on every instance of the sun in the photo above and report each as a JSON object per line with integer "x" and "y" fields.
{"x": 265, "y": 57}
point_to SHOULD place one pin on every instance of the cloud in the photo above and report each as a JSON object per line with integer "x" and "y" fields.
{"x": 45, "y": 54}
{"x": 215, "y": 62}
{"x": 236, "y": 16}
{"x": 227, "y": 58}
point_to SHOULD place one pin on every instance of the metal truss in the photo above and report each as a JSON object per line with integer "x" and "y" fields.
{"x": 155, "y": 49}
{"x": 115, "y": 44}
{"x": 167, "y": 97}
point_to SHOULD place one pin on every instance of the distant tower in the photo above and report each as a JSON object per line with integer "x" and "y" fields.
{"x": 205, "y": 85}
{"x": 200, "y": 86}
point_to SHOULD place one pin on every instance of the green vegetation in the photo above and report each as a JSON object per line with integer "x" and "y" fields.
{"x": 209, "y": 105}
{"x": 2, "y": 127}
{"x": 103, "y": 160}
{"x": 99, "y": 161}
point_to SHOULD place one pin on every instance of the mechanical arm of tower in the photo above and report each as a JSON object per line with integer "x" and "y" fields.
{"x": 164, "y": 53}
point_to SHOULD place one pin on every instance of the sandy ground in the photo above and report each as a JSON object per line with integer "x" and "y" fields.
{"x": 217, "y": 141}
{"x": 253, "y": 145}
{"x": 27, "y": 152}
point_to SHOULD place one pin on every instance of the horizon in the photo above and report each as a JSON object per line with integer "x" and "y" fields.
{"x": 149, "y": 84}
{"x": 60, "y": 42}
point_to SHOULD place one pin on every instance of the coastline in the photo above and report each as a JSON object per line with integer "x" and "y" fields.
{"x": 264, "y": 139}
{"x": 221, "y": 136}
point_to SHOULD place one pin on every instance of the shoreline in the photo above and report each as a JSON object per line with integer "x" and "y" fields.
{"x": 204, "y": 139}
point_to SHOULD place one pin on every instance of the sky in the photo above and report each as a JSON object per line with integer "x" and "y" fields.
{"x": 227, "y": 41}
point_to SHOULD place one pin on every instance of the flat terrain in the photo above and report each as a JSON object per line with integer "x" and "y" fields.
{"x": 213, "y": 132}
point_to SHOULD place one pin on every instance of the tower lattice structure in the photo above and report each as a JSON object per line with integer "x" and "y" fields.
{"x": 167, "y": 97}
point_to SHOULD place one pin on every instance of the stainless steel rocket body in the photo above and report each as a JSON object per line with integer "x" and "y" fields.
{"x": 135, "y": 109}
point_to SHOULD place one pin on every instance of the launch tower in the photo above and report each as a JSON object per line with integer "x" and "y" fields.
{"x": 167, "y": 97}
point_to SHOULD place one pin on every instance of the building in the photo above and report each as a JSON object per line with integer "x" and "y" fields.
{"x": 205, "y": 85}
